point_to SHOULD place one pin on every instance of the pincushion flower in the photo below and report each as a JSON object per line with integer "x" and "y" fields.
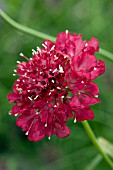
{"x": 55, "y": 85}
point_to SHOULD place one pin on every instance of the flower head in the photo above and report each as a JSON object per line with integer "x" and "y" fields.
{"x": 42, "y": 92}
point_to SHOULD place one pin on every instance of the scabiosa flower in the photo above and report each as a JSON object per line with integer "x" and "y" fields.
{"x": 55, "y": 85}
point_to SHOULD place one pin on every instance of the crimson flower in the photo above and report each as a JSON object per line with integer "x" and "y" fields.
{"x": 55, "y": 85}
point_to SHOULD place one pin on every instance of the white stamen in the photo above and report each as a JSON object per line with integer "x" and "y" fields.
{"x": 96, "y": 96}
{"x": 61, "y": 69}
{"x": 28, "y": 90}
{"x": 34, "y": 51}
{"x": 62, "y": 97}
{"x": 18, "y": 80}
{"x": 38, "y": 49}
{"x": 55, "y": 105}
{"x": 40, "y": 72}
{"x": 14, "y": 74}
{"x": 36, "y": 97}
{"x": 49, "y": 137}
{"x": 19, "y": 89}
{"x": 31, "y": 59}
{"x": 18, "y": 62}
{"x": 50, "y": 69}
{"x": 52, "y": 48}
{"x": 66, "y": 32}
{"x": 75, "y": 120}
{"x": 95, "y": 68}
{"x": 55, "y": 70}
{"x": 82, "y": 82}
{"x": 23, "y": 80}
{"x": 45, "y": 125}
{"x": 30, "y": 98}
{"x": 44, "y": 45}
{"x": 27, "y": 133}
{"x": 55, "y": 57}
{"x": 21, "y": 54}
{"x": 16, "y": 114}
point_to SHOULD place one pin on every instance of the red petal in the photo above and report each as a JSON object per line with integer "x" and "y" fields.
{"x": 84, "y": 114}
{"x": 13, "y": 97}
{"x": 62, "y": 132}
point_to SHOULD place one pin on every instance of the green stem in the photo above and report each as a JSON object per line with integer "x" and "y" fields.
{"x": 94, "y": 141}
{"x": 41, "y": 35}
{"x": 24, "y": 28}
{"x": 107, "y": 54}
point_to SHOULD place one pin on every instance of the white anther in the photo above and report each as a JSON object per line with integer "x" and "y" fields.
{"x": 95, "y": 68}
{"x": 59, "y": 88}
{"x": 28, "y": 90}
{"x": 45, "y": 125}
{"x": 15, "y": 71}
{"x": 46, "y": 42}
{"x": 55, "y": 70}
{"x": 10, "y": 113}
{"x": 31, "y": 59}
{"x": 27, "y": 133}
{"x": 18, "y": 80}
{"x": 62, "y": 97}
{"x": 21, "y": 54}
{"x": 79, "y": 93}
{"x": 23, "y": 80}
{"x": 14, "y": 74}
{"x": 96, "y": 96}
{"x": 67, "y": 32}
{"x": 49, "y": 137}
{"x": 55, "y": 105}
{"x": 18, "y": 62}
{"x": 53, "y": 81}
{"x": 86, "y": 44}
{"x": 49, "y": 93}
{"x": 30, "y": 98}
{"x": 40, "y": 72}
{"x": 82, "y": 82}
{"x": 65, "y": 56}
{"x": 16, "y": 114}
{"x": 75, "y": 120}
{"x": 38, "y": 49}
{"x": 37, "y": 113}
{"x": 61, "y": 69}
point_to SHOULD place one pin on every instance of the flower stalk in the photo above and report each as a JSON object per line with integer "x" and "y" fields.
{"x": 95, "y": 142}
{"x": 41, "y": 35}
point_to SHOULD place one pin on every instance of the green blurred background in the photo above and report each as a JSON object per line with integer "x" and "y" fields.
{"x": 88, "y": 17}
